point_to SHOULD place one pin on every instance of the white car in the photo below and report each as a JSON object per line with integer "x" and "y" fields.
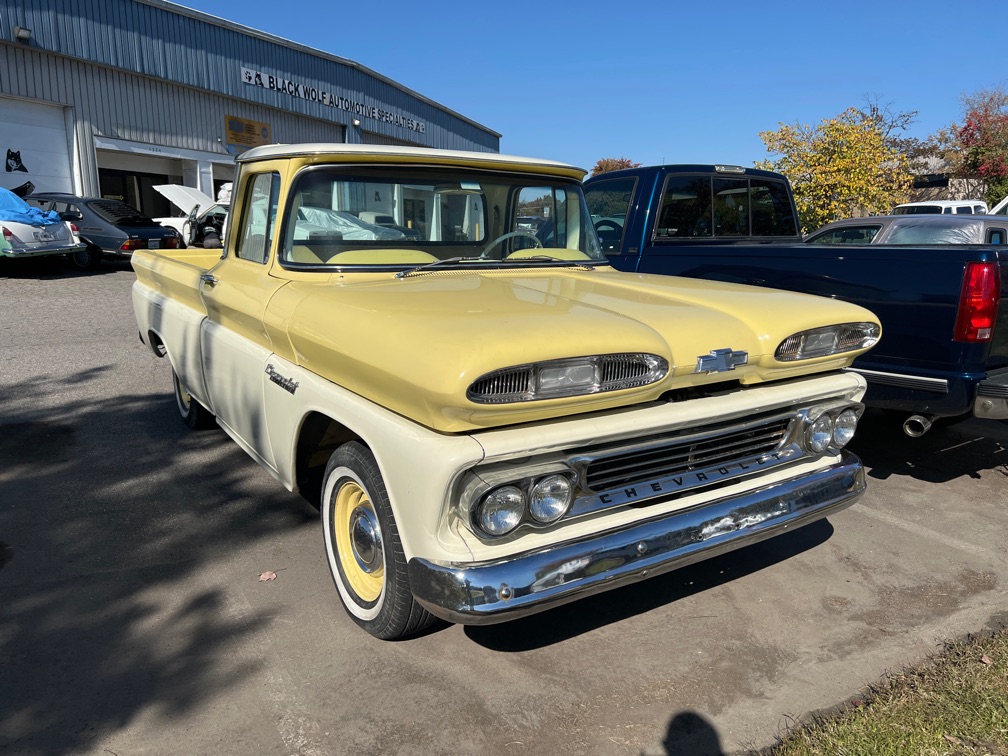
{"x": 942, "y": 207}
{"x": 26, "y": 231}
{"x": 203, "y": 222}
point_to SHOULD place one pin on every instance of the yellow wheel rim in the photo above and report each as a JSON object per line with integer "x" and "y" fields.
{"x": 358, "y": 541}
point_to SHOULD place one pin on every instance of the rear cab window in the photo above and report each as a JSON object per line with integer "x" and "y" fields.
{"x": 704, "y": 206}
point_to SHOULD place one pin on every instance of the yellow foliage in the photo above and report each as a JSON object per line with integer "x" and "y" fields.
{"x": 839, "y": 168}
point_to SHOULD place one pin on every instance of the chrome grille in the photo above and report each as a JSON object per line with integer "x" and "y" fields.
{"x": 663, "y": 460}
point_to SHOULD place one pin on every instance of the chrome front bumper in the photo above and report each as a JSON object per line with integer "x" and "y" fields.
{"x": 487, "y": 592}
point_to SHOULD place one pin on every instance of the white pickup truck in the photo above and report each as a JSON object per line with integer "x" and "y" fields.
{"x": 493, "y": 420}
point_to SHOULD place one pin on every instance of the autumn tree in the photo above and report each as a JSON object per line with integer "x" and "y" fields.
{"x": 845, "y": 165}
{"x": 982, "y": 141}
{"x": 613, "y": 164}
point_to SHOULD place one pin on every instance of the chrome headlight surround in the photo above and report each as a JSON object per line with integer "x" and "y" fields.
{"x": 827, "y": 341}
{"x": 576, "y": 376}
{"x": 829, "y": 427}
{"x": 538, "y": 501}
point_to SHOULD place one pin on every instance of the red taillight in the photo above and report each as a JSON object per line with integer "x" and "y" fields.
{"x": 978, "y": 302}
{"x": 170, "y": 242}
{"x": 130, "y": 244}
{"x": 7, "y": 233}
{"x": 73, "y": 227}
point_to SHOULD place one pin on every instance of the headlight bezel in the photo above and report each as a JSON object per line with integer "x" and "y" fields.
{"x": 828, "y": 341}
{"x": 851, "y": 411}
{"x": 526, "y": 486}
{"x": 555, "y": 379}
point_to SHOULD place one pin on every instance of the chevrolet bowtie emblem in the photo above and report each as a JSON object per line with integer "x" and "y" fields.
{"x": 720, "y": 360}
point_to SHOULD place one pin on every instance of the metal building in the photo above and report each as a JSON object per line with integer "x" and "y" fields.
{"x": 111, "y": 97}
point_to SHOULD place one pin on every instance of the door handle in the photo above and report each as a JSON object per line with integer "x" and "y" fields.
{"x": 208, "y": 278}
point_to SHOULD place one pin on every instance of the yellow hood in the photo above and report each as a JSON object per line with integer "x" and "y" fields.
{"x": 415, "y": 344}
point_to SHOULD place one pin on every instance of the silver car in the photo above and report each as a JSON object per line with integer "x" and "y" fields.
{"x": 914, "y": 229}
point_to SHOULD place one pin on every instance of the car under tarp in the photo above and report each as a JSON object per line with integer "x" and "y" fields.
{"x": 16, "y": 210}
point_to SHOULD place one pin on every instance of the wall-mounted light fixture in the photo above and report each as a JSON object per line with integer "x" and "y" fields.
{"x": 22, "y": 35}
{"x": 356, "y": 122}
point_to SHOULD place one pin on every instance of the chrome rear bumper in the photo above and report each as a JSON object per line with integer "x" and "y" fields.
{"x": 488, "y": 592}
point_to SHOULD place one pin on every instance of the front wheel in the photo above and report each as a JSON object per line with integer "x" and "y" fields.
{"x": 362, "y": 545}
{"x": 194, "y": 414}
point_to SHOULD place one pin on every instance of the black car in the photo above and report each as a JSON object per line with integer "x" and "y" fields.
{"x": 107, "y": 226}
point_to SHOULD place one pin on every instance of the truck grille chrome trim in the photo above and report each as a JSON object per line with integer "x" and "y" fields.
{"x": 662, "y": 466}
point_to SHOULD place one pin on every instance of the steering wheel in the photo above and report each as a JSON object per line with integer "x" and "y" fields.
{"x": 520, "y": 232}
{"x": 608, "y": 224}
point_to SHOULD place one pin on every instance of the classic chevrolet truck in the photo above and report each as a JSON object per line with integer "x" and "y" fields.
{"x": 492, "y": 419}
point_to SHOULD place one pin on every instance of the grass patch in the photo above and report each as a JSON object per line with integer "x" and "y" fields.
{"x": 955, "y": 702}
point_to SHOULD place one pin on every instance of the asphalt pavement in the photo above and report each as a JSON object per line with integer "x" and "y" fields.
{"x": 133, "y": 619}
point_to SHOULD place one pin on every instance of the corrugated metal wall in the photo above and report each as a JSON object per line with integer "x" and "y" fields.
{"x": 148, "y": 71}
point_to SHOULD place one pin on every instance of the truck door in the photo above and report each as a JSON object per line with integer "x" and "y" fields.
{"x": 234, "y": 343}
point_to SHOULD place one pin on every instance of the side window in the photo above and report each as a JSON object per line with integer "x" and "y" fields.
{"x": 608, "y": 203}
{"x": 772, "y": 214}
{"x": 685, "y": 208}
{"x": 995, "y": 236}
{"x": 259, "y": 217}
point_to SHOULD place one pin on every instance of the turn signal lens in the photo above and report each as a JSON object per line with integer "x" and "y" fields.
{"x": 978, "y": 302}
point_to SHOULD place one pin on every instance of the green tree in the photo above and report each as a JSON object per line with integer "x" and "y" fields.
{"x": 613, "y": 164}
{"x": 850, "y": 163}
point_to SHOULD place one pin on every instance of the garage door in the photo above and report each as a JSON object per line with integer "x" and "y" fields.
{"x": 33, "y": 143}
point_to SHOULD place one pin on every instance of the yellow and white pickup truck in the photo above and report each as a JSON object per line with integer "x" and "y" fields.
{"x": 493, "y": 420}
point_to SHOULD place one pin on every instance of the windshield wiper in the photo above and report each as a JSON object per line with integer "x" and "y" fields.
{"x": 589, "y": 264}
{"x": 433, "y": 264}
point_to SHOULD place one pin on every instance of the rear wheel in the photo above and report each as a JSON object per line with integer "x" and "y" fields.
{"x": 87, "y": 258}
{"x": 194, "y": 414}
{"x": 363, "y": 549}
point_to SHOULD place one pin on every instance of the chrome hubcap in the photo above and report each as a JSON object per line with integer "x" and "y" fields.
{"x": 365, "y": 538}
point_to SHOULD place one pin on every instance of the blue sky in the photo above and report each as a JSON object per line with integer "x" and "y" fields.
{"x": 655, "y": 82}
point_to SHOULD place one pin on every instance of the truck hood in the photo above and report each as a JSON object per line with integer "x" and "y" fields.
{"x": 415, "y": 344}
{"x": 185, "y": 198}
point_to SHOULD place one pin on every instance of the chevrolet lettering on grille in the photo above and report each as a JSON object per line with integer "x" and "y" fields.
{"x": 720, "y": 361}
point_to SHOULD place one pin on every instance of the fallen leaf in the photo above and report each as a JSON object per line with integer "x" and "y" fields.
{"x": 986, "y": 660}
{"x": 268, "y": 575}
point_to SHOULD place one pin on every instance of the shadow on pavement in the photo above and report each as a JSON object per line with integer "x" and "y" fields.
{"x": 942, "y": 454}
{"x": 97, "y": 518}
{"x": 691, "y": 734}
{"x": 584, "y": 615}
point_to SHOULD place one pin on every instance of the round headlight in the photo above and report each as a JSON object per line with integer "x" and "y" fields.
{"x": 843, "y": 429}
{"x": 820, "y": 433}
{"x": 501, "y": 510}
{"x": 550, "y": 498}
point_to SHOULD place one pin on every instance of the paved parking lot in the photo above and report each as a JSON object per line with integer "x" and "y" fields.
{"x": 132, "y": 618}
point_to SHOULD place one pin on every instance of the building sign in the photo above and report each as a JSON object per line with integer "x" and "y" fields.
{"x": 243, "y": 134}
{"x": 330, "y": 99}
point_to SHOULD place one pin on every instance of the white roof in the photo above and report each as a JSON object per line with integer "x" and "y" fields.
{"x": 336, "y": 148}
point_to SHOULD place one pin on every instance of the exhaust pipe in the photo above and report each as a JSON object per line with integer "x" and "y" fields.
{"x": 916, "y": 426}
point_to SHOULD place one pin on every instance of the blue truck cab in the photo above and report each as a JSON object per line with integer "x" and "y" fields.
{"x": 944, "y": 346}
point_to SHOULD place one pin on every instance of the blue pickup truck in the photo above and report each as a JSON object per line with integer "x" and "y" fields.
{"x": 944, "y": 346}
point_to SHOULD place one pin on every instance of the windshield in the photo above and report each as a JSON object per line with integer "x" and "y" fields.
{"x": 409, "y": 216}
